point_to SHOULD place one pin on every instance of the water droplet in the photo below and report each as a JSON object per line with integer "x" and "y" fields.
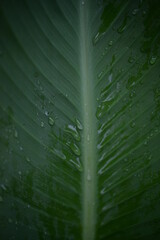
{"x": 131, "y": 82}
{"x": 46, "y": 113}
{"x": 77, "y": 164}
{"x": 75, "y": 149}
{"x": 123, "y": 26}
{"x": 96, "y": 38}
{"x": 100, "y": 75}
{"x": 145, "y": 142}
{"x": 19, "y": 172}
{"x": 99, "y": 112}
{"x": 28, "y": 206}
{"x": 59, "y": 154}
{"x": 1, "y": 199}
{"x": 132, "y": 124}
{"x": 78, "y": 124}
{"x": 3, "y": 187}
{"x": 15, "y": 133}
{"x": 132, "y": 94}
{"x": 103, "y": 107}
{"x": 151, "y": 134}
{"x": 105, "y": 51}
{"x": 21, "y": 148}
{"x": 73, "y": 131}
{"x": 135, "y": 11}
{"x": 153, "y": 60}
{"x": 82, "y": 2}
{"x": 42, "y": 124}
{"x": 27, "y": 159}
{"x": 88, "y": 176}
{"x": 110, "y": 43}
{"x": 51, "y": 121}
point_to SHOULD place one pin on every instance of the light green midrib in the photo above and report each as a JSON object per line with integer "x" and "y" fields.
{"x": 89, "y": 181}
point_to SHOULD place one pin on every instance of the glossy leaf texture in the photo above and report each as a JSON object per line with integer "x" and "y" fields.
{"x": 80, "y": 119}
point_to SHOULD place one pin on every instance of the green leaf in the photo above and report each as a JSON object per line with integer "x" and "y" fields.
{"x": 80, "y": 119}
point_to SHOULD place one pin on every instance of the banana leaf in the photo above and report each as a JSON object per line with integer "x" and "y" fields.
{"x": 80, "y": 119}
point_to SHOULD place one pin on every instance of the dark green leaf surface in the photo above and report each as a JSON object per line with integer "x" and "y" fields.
{"x": 79, "y": 119}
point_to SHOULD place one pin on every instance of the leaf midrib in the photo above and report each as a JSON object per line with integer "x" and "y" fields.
{"x": 89, "y": 181}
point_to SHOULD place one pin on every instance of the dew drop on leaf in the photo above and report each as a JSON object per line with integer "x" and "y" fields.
{"x": 75, "y": 149}
{"x": 132, "y": 94}
{"x": 42, "y": 124}
{"x": 88, "y": 138}
{"x": 15, "y": 133}
{"x": 145, "y": 142}
{"x": 110, "y": 43}
{"x": 51, "y": 121}
{"x": 3, "y": 187}
{"x": 153, "y": 60}
{"x": 105, "y": 51}
{"x": 131, "y": 82}
{"x": 96, "y": 38}
{"x": 77, "y": 164}
{"x": 46, "y": 113}
{"x": 59, "y": 154}
{"x": 21, "y": 148}
{"x": 73, "y": 131}
{"x": 99, "y": 112}
{"x": 123, "y": 26}
{"x": 28, "y": 159}
{"x": 135, "y": 11}
{"x": 78, "y": 124}
{"x": 100, "y": 75}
